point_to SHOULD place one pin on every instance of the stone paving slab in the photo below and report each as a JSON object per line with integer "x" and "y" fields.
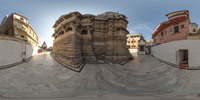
{"x": 44, "y": 78}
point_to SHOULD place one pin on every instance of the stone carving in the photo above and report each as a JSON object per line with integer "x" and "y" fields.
{"x": 87, "y": 38}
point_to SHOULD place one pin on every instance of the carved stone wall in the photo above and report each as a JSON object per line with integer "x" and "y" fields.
{"x": 88, "y": 38}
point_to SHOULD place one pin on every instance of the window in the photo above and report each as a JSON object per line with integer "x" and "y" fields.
{"x": 175, "y": 29}
{"x": 68, "y": 29}
{"x": 61, "y": 33}
{"x": 21, "y": 18}
{"x": 162, "y": 34}
{"x": 170, "y": 30}
{"x": 182, "y": 26}
{"x": 131, "y": 41}
{"x": 194, "y": 30}
{"x": 83, "y": 32}
{"x": 22, "y": 36}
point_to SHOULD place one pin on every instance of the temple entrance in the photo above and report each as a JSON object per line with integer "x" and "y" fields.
{"x": 141, "y": 47}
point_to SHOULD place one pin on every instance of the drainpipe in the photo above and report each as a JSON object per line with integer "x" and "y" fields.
{"x": 25, "y": 40}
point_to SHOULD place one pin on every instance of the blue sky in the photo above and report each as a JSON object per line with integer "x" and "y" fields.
{"x": 143, "y": 15}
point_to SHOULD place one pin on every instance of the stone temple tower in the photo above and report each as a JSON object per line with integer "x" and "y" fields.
{"x": 81, "y": 39}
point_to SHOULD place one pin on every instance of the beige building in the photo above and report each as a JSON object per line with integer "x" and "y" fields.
{"x": 88, "y": 38}
{"x": 17, "y": 26}
{"x": 18, "y": 40}
{"x": 148, "y": 42}
{"x": 194, "y": 32}
{"x": 133, "y": 40}
{"x": 193, "y": 37}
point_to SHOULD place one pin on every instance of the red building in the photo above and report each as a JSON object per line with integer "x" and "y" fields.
{"x": 177, "y": 27}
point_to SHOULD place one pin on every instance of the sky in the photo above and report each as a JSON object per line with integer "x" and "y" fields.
{"x": 143, "y": 15}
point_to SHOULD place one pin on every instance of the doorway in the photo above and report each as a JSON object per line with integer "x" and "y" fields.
{"x": 183, "y": 58}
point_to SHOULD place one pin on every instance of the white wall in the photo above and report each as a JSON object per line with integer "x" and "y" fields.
{"x": 12, "y": 51}
{"x": 141, "y": 52}
{"x": 35, "y": 50}
{"x": 167, "y": 51}
{"x": 133, "y": 50}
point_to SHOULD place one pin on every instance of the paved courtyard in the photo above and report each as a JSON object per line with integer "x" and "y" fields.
{"x": 144, "y": 77}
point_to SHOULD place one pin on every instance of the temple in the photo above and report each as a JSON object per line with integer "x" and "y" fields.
{"x": 88, "y": 38}
{"x": 44, "y": 46}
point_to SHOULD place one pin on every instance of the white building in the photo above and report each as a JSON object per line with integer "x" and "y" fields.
{"x": 183, "y": 52}
{"x": 18, "y": 40}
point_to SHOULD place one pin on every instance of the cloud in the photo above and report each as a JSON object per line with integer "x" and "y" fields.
{"x": 141, "y": 28}
{"x": 145, "y": 30}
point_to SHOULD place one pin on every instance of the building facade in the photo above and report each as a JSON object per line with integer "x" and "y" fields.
{"x": 176, "y": 41}
{"x": 178, "y": 27}
{"x": 194, "y": 36}
{"x": 17, "y": 26}
{"x": 133, "y": 40}
{"x": 18, "y": 40}
{"x": 89, "y": 38}
{"x": 148, "y": 42}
